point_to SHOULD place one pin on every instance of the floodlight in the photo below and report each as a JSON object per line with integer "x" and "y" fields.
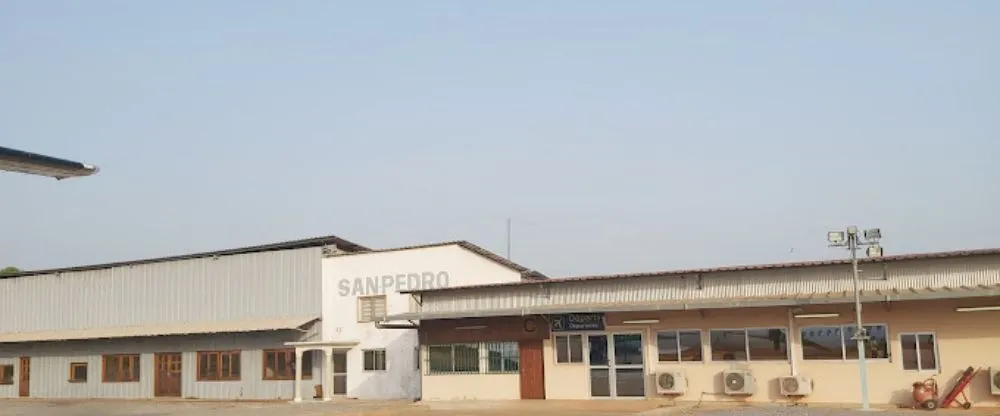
{"x": 873, "y": 234}
{"x": 852, "y": 230}
{"x": 835, "y": 237}
{"x": 874, "y": 251}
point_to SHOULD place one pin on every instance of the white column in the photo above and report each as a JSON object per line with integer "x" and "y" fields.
{"x": 328, "y": 375}
{"x": 298, "y": 375}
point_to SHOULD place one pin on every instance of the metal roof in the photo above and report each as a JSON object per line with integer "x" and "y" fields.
{"x": 695, "y": 304}
{"x": 526, "y": 273}
{"x": 285, "y": 245}
{"x": 159, "y": 330}
{"x": 723, "y": 269}
{"x": 35, "y": 164}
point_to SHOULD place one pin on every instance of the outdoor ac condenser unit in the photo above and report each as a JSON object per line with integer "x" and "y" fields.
{"x": 739, "y": 382}
{"x": 671, "y": 382}
{"x": 995, "y": 380}
{"x": 795, "y": 385}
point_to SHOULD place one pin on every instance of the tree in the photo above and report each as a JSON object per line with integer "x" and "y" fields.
{"x": 9, "y": 270}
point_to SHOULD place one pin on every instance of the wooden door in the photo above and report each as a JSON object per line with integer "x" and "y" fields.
{"x": 24, "y": 379}
{"x": 532, "y": 370}
{"x": 168, "y": 375}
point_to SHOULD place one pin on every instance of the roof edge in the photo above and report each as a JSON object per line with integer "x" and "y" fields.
{"x": 526, "y": 273}
{"x": 726, "y": 269}
{"x": 284, "y": 245}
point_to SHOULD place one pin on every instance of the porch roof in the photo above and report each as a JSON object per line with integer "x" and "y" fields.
{"x": 867, "y": 296}
{"x": 256, "y": 325}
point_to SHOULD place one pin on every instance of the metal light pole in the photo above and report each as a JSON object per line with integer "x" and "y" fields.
{"x": 851, "y": 240}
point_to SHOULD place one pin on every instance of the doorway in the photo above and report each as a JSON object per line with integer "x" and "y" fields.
{"x": 339, "y": 373}
{"x": 24, "y": 378}
{"x": 168, "y": 374}
{"x": 532, "y": 370}
{"x": 617, "y": 367}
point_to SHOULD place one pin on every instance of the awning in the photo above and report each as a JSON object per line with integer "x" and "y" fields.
{"x": 35, "y": 164}
{"x": 867, "y": 296}
{"x": 159, "y": 330}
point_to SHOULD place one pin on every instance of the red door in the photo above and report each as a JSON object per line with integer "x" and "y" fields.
{"x": 24, "y": 380}
{"x": 532, "y": 370}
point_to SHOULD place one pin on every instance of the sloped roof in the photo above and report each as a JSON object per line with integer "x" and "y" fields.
{"x": 285, "y": 245}
{"x": 526, "y": 273}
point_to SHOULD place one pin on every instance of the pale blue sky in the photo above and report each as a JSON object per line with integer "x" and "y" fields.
{"x": 619, "y": 135}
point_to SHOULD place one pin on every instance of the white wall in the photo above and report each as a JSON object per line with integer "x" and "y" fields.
{"x": 387, "y": 273}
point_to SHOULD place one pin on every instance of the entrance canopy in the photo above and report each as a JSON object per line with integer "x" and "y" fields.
{"x": 14, "y": 160}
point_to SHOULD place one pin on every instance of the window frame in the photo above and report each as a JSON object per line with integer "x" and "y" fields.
{"x": 503, "y": 368}
{"x": 701, "y": 344}
{"x": 480, "y": 367}
{"x": 132, "y": 378}
{"x": 843, "y": 345}
{"x": 375, "y": 353}
{"x": 72, "y": 373}
{"x": 361, "y": 300}
{"x": 290, "y": 358}
{"x": 219, "y": 353}
{"x": 4, "y": 382}
{"x": 746, "y": 345}
{"x": 920, "y": 368}
{"x": 569, "y": 356}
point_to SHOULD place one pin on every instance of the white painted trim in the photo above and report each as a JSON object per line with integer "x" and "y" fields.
{"x": 920, "y": 369}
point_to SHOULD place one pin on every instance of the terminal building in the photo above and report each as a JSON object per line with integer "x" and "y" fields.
{"x": 453, "y": 321}
{"x": 764, "y": 333}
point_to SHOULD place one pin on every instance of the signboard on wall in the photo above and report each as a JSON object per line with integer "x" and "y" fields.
{"x": 578, "y": 322}
{"x": 390, "y": 283}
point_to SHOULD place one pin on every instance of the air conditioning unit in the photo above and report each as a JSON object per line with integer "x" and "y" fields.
{"x": 671, "y": 382}
{"x": 995, "y": 380}
{"x": 795, "y": 385}
{"x": 739, "y": 382}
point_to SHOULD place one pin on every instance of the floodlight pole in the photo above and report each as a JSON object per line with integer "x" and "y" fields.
{"x": 852, "y": 241}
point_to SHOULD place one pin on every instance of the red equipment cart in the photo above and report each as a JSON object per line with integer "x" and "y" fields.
{"x": 925, "y": 393}
{"x": 959, "y": 389}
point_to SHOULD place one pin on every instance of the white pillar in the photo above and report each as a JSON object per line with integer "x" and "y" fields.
{"x": 328, "y": 375}
{"x": 298, "y": 375}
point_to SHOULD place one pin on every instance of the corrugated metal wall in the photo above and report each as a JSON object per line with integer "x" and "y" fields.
{"x": 50, "y": 367}
{"x": 239, "y": 287}
{"x": 728, "y": 285}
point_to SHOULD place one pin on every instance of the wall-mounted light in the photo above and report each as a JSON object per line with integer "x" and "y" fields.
{"x": 469, "y": 328}
{"x": 641, "y": 321}
{"x": 978, "y": 309}
{"x": 816, "y": 315}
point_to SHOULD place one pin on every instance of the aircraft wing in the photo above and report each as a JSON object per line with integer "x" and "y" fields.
{"x": 14, "y": 160}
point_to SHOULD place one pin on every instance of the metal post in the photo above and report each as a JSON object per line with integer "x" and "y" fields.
{"x": 859, "y": 334}
{"x": 508, "y": 238}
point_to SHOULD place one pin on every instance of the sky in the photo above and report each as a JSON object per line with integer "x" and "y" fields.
{"x": 617, "y": 136}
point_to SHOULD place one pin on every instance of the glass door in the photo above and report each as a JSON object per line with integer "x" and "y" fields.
{"x": 617, "y": 365}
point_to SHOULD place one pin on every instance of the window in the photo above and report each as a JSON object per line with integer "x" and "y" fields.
{"x": 502, "y": 357}
{"x": 6, "y": 374}
{"x": 77, "y": 372}
{"x": 759, "y": 344}
{"x": 678, "y": 346}
{"x": 569, "y": 348}
{"x": 837, "y": 342}
{"x": 374, "y": 360}
{"x": 218, "y": 365}
{"x": 121, "y": 368}
{"x": 280, "y": 364}
{"x": 454, "y": 358}
{"x": 919, "y": 351}
{"x": 371, "y": 308}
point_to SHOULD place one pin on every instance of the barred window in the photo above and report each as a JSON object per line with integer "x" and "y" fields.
{"x": 453, "y": 358}
{"x": 502, "y": 357}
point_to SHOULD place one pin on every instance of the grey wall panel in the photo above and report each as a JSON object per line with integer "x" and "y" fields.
{"x": 247, "y": 286}
{"x": 726, "y": 285}
{"x": 50, "y": 367}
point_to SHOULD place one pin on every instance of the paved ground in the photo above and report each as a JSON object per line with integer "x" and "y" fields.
{"x": 373, "y": 408}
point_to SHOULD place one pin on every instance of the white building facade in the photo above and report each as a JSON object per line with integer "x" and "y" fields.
{"x": 375, "y": 359}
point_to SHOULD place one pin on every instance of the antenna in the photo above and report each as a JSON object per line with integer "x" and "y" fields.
{"x": 508, "y": 237}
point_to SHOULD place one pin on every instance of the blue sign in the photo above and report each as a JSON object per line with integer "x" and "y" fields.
{"x": 578, "y": 322}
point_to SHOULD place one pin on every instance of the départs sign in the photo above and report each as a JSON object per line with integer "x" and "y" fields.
{"x": 389, "y": 283}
